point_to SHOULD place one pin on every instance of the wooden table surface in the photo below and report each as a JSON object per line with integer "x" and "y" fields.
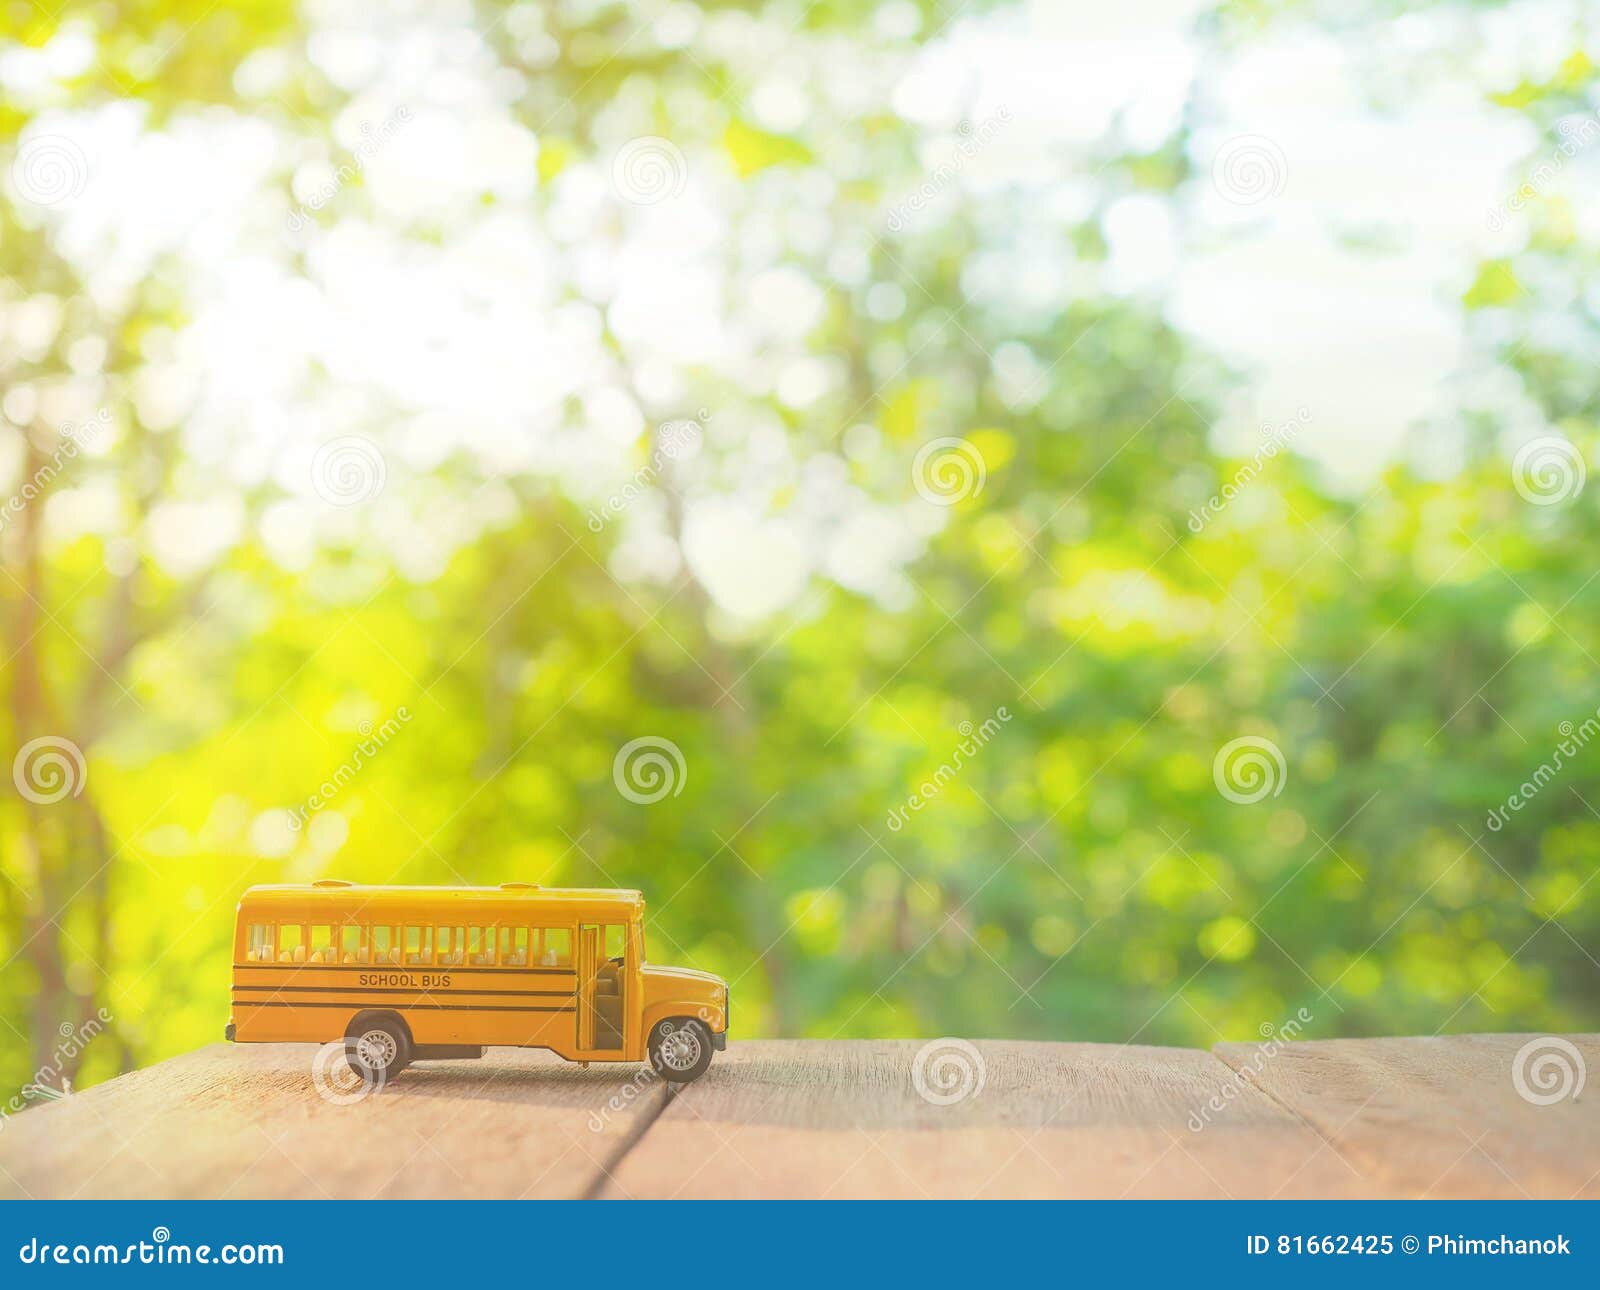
{"x": 1439, "y": 1117}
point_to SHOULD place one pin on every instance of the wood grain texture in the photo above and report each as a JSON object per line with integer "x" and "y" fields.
{"x": 1442, "y": 1117}
{"x": 247, "y": 1121}
{"x": 1382, "y": 1117}
{"x": 796, "y": 1118}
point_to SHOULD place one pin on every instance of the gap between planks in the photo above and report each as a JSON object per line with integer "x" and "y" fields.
{"x": 605, "y": 1173}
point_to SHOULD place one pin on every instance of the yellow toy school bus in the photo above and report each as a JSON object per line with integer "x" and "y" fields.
{"x": 406, "y": 974}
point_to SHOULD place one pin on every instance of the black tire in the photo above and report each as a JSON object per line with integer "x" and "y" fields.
{"x": 373, "y": 1036}
{"x": 680, "y": 1049}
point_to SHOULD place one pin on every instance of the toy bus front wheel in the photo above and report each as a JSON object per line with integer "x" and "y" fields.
{"x": 377, "y": 1047}
{"x": 680, "y": 1049}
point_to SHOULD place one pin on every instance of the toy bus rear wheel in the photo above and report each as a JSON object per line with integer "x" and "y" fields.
{"x": 377, "y": 1047}
{"x": 680, "y": 1049}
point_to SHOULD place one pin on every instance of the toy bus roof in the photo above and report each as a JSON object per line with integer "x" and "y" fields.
{"x": 335, "y": 892}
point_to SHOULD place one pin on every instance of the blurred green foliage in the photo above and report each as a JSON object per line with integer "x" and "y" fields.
{"x": 1412, "y": 649}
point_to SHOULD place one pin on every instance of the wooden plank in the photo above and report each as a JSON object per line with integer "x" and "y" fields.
{"x": 1443, "y": 1117}
{"x": 795, "y": 1118}
{"x": 247, "y": 1121}
{"x": 1404, "y": 1117}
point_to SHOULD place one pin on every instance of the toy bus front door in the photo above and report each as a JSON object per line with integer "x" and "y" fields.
{"x": 601, "y": 988}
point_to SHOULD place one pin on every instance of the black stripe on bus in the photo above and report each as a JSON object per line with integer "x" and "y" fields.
{"x": 361, "y": 1005}
{"x": 402, "y": 989}
{"x": 403, "y": 967}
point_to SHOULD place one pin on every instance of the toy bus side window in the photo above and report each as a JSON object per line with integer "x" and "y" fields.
{"x": 555, "y": 947}
{"x": 419, "y": 945}
{"x": 385, "y": 943}
{"x": 480, "y": 946}
{"x": 320, "y": 949}
{"x": 514, "y": 946}
{"x": 291, "y": 943}
{"x": 449, "y": 943}
{"x": 353, "y": 944}
{"x": 259, "y": 948}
